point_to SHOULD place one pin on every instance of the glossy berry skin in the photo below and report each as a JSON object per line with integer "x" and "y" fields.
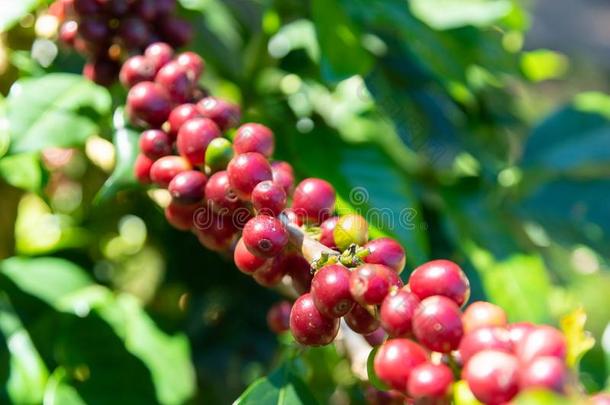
{"x": 308, "y": 326}
{"x": 351, "y": 229}
{"x": 177, "y": 81}
{"x": 166, "y": 168}
{"x": 158, "y": 54}
{"x": 485, "y": 338}
{"x": 396, "y": 359}
{"x": 194, "y": 137}
{"x": 482, "y": 313}
{"x": 546, "y": 372}
{"x": 360, "y": 320}
{"x": 246, "y": 171}
{"x": 141, "y": 169}
{"x": 388, "y": 252}
{"x": 193, "y": 63}
{"x": 269, "y": 276}
{"x": 188, "y": 187}
{"x": 265, "y": 236}
{"x": 377, "y": 337}
{"x": 179, "y": 115}
{"x": 518, "y": 330}
{"x": 245, "y": 261}
{"x": 314, "y": 200}
{"x": 437, "y": 324}
{"x": 371, "y": 283}
{"x": 326, "y": 232}
{"x": 492, "y": 376}
{"x": 396, "y": 313}
{"x": 149, "y": 103}
{"x": 440, "y": 277}
{"x": 223, "y": 113}
{"x": 283, "y": 174}
{"x": 218, "y": 154}
{"x": 219, "y": 196}
{"x": 155, "y": 143}
{"x": 216, "y": 233}
{"x": 135, "y": 70}
{"x": 181, "y": 216}
{"x": 330, "y": 291}
{"x": 430, "y": 381}
{"x": 253, "y": 137}
{"x": 299, "y": 271}
{"x": 278, "y": 317}
{"x": 542, "y": 341}
{"x": 68, "y": 32}
{"x": 268, "y": 198}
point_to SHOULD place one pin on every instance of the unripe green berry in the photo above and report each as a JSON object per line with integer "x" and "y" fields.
{"x": 218, "y": 154}
{"x": 351, "y": 228}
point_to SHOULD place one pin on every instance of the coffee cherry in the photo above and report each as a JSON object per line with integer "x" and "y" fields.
{"x": 141, "y": 169}
{"x": 223, "y": 113}
{"x": 176, "y": 32}
{"x": 155, "y": 143}
{"x": 219, "y": 196}
{"x": 481, "y": 313}
{"x": 67, "y": 32}
{"x": 542, "y": 341}
{"x": 177, "y": 81}
{"x": 330, "y": 291}
{"x": 440, "y": 277}
{"x": 145, "y": 9}
{"x": 437, "y": 324}
{"x": 269, "y": 276}
{"x": 326, "y": 232}
{"x": 370, "y": 283}
{"x": 253, "y": 137}
{"x": 388, "y": 252}
{"x": 518, "y": 330}
{"x": 115, "y": 8}
{"x": 165, "y": 7}
{"x": 158, "y": 54}
{"x": 299, "y": 271}
{"x": 216, "y": 233}
{"x": 265, "y": 236}
{"x": 180, "y": 115}
{"x": 101, "y": 71}
{"x": 134, "y": 32}
{"x": 135, "y": 70}
{"x": 245, "y": 261}
{"x": 188, "y": 187}
{"x": 314, "y": 200}
{"x": 292, "y": 217}
{"x": 373, "y": 396}
{"x": 492, "y": 376}
{"x": 194, "y": 137}
{"x": 377, "y": 337}
{"x": 430, "y": 381}
{"x": 396, "y": 359}
{"x": 546, "y": 372}
{"x": 86, "y": 7}
{"x": 149, "y": 103}
{"x": 268, "y": 198}
{"x": 308, "y": 326}
{"x": 351, "y": 229}
{"x": 246, "y": 171}
{"x": 181, "y": 216}
{"x": 485, "y": 338}
{"x": 166, "y": 168}
{"x": 93, "y": 29}
{"x": 283, "y": 175}
{"x": 193, "y": 63}
{"x": 360, "y": 320}
{"x": 218, "y": 154}
{"x": 397, "y": 311}
{"x": 278, "y": 317}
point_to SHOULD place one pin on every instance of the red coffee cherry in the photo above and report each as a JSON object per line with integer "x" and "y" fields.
{"x": 492, "y": 376}
{"x": 370, "y": 283}
{"x": 179, "y": 115}
{"x": 193, "y": 63}
{"x": 155, "y": 144}
{"x": 101, "y": 71}
{"x": 544, "y": 340}
{"x": 159, "y": 54}
{"x": 253, "y": 137}
{"x": 134, "y": 32}
{"x": 245, "y": 261}
{"x": 283, "y": 175}
{"x": 269, "y": 276}
{"x": 278, "y": 317}
{"x": 377, "y": 337}
{"x": 397, "y": 312}
{"x": 93, "y": 29}
{"x": 67, "y": 32}
{"x": 308, "y": 326}
{"x": 223, "y": 113}
{"x": 145, "y": 9}
{"x": 546, "y": 372}
{"x": 177, "y": 81}
{"x": 85, "y": 7}
{"x": 330, "y": 291}
{"x": 165, "y": 7}
{"x": 149, "y": 103}
{"x": 481, "y": 313}
{"x": 518, "y": 330}
{"x": 268, "y": 198}
{"x": 176, "y": 31}
{"x": 360, "y": 320}
{"x": 485, "y": 338}
{"x": 246, "y": 171}
{"x": 219, "y": 196}
{"x": 396, "y": 359}
{"x": 299, "y": 271}
{"x": 440, "y": 277}
{"x": 388, "y": 252}
{"x": 216, "y": 233}
{"x": 430, "y": 381}
{"x": 188, "y": 187}
{"x": 437, "y": 324}
{"x": 327, "y": 228}
{"x": 141, "y": 169}
{"x": 181, "y": 216}
{"x": 194, "y": 137}
{"x": 314, "y": 200}
{"x": 166, "y": 168}
{"x": 135, "y": 70}
{"x": 265, "y": 236}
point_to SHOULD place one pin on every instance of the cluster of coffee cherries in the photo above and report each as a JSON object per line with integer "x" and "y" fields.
{"x": 104, "y": 31}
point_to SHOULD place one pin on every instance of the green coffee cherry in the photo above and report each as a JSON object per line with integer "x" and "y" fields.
{"x": 218, "y": 154}
{"x": 462, "y": 394}
{"x": 351, "y": 228}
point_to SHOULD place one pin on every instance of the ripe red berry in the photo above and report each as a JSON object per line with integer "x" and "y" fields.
{"x": 246, "y": 171}
{"x": 181, "y": 216}
{"x": 397, "y": 311}
{"x": 135, "y": 70}
{"x": 542, "y": 341}
{"x": 278, "y": 317}
{"x": 93, "y": 29}
{"x": 193, "y": 63}
{"x": 330, "y": 291}
{"x": 482, "y": 313}
{"x": 308, "y": 326}
{"x": 396, "y": 359}
{"x": 299, "y": 271}
{"x": 219, "y": 196}
{"x": 440, "y": 277}
{"x": 430, "y": 381}
{"x": 188, "y": 187}
{"x": 283, "y": 175}
{"x": 245, "y": 261}
{"x": 492, "y": 376}
{"x": 85, "y": 7}
{"x": 166, "y": 168}
{"x": 159, "y": 54}
{"x": 314, "y": 200}
{"x": 518, "y": 330}
{"x": 216, "y": 233}
{"x": 179, "y": 116}
{"x": 101, "y": 71}
{"x": 155, "y": 143}
{"x": 141, "y": 169}
{"x": 388, "y": 252}
{"x": 437, "y": 324}
{"x": 265, "y": 236}
{"x": 253, "y": 137}
{"x": 326, "y": 232}
{"x": 176, "y": 31}
{"x": 370, "y": 283}
{"x": 194, "y": 137}
{"x": 485, "y": 338}
{"x": 377, "y": 337}
{"x": 149, "y": 103}
{"x": 269, "y": 276}
{"x": 223, "y": 113}
{"x": 67, "y": 32}
{"x": 546, "y": 372}
{"x": 360, "y": 320}
{"x": 268, "y": 198}
{"x": 177, "y": 81}
{"x": 145, "y": 9}
{"x": 134, "y": 32}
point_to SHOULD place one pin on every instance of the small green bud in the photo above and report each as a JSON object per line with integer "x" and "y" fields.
{"x": 218, "y": 154}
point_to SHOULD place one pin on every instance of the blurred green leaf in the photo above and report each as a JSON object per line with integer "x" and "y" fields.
{"x": 299, "y": 34}
{"x": 444, "y": 14}
{"x": 23, "y": 171}
{"x": 282, "y": 387}
{"x": 579, "y": 341}
{"x": 13, "y": 11}
{"x": 545, "y": 398}
{"x": 370, "y": 371}
{"x": 543, "y": 64}
{"x": 462, "y": 394}
{"x": 58, "y": 391}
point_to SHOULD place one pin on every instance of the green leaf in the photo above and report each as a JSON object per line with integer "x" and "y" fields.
{"x": 579, "y": 341}
{"x": 543, "y": 64}
{"x": 60, "y": 392}
{"x": 444, "y": 14}
{"x": 370, "y": 370}
{"x": 536, "y": 397}
{"x": 58, "y": 109}
{"x": 13, "y": 11}
{"x": 23, "y": 171}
